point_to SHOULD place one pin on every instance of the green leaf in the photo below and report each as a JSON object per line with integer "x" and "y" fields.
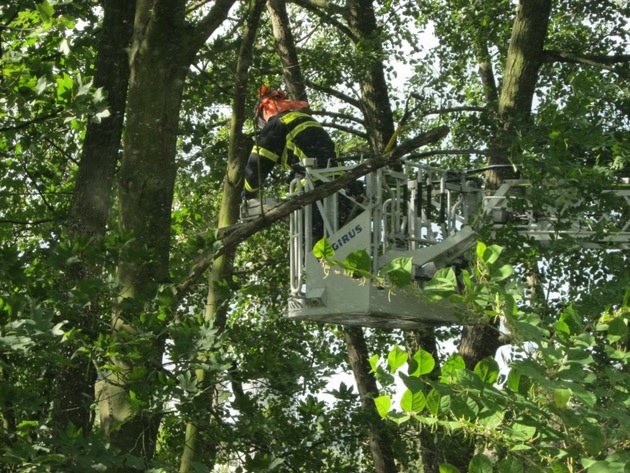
{"x": 64, "y": 87}
{"x": 481, "y": 249}
{"x": 488, "y": 370}
{"x": 413, "y": 383}
{"x": 561, "y": 327}
{"x": 560, "y": 468}
{"x": 593, "y": 438}
{"x": 412, "y": 401}
{"x": 83, "y": 88}
{"x": 373, "y": 360}
{"x": 359, "y": 261}
{"x": 383, "y": 405}
{"x": 451, "y": 366}
{"x": 513, "y": 379}
{"x": 45, "y": 11}
{"x": 480, "y": 463}
{"x": 608, "y": 467}
{"x": 421, "y": 363}
{"x": 522, "y": 432}
{"x": 323, "y": 249}
{"x": 511, "y": 465}
{"x": 444, "y": 280}
{"x": 448, "y": 468}
{"x": 398, "y": 272}
{"x": 561, "y": 397}
{"x": 502, "y": 273}
{"x": 398, "y": 418}
{"x": 491, "y": 419}
{"x": 617, "y": 330}
{"x": 464, "y": 408}
{"x": 433, "y": 401}
{"x": 396, "y": 358}
{"x": 488, "y": 254}
{"x": 570, "y": 317}
{"x": 519, "y": 447}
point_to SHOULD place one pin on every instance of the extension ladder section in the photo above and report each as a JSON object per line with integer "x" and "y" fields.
{"x": 555, "y": 212}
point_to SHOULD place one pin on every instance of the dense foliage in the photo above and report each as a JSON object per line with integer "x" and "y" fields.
{"x": 267, "y": 393}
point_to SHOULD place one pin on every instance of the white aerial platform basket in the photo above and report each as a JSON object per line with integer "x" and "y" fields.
{"x": 334, "y": 297}
{"x": 388, "y": 226}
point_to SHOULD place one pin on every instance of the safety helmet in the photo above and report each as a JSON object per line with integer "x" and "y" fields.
{"x": 274, "y": 102}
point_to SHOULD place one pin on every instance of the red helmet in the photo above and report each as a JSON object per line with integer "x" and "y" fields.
{"x": 273, "y": 102}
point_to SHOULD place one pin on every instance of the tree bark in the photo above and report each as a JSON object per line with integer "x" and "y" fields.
{"x": 285, "y": 46}
{"x": 91, "y": 204}
{"x": 379, "y": 120}
{"x": 146, "y": 181}
{"x": 378, "y": 437}
{"x": 223, "y": 267}
{"x": 525, "y": 56}
{"x": 431, "y": 451}
{"x": 163, "y": 47}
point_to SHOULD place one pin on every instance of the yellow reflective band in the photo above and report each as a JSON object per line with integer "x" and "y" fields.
{"x": 300, "y": 128}
{"x": 249, "y": 188}
{"x": 289, "y": 117}
{"x": 265, "y": 153}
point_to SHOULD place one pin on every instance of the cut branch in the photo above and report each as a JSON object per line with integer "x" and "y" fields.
{"x": 232, "y": 236}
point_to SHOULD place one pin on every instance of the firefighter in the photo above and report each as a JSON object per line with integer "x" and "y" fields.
{"x": 289, "y": 133}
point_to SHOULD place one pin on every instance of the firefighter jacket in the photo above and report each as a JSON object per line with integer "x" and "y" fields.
{"x": 286, "y": 139}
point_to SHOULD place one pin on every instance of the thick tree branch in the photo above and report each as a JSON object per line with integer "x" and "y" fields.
{"x": 486, "y": 73}
{"x": 325, "y": 11}
{"x": 442, "y": 111}
{"x": 345, "y": 129}
{"x": 232, "y": 236}
{"x": 341, "y": 116}
{"x": 209, "y": 24}
{"x": 27, "y": 223}
{"x": 601, "y": 62}
{"x": 335, "y": 93}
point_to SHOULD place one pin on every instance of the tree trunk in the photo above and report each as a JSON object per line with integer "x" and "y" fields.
{"x": 525, "y": 56}
{"x": 91, "y": 204}
{"x": 378, "y": 438}
{"x": 380, "y": 444}
{"x": 146, "y": 181}
{"x": 222, "y": 268}
{"x": 431, "y": 451}
{"x": 379, "y": 119}
{"x": 285, "y": 47}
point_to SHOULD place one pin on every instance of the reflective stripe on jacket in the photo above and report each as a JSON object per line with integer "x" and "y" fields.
{"x": 287, "y": 138}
